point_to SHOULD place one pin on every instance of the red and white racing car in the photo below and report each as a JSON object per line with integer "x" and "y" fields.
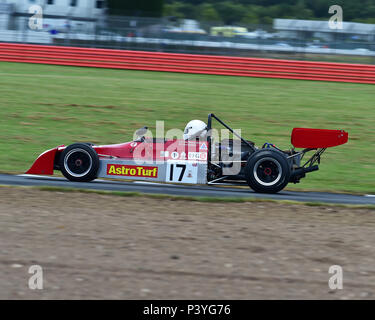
{"x": 193, "y": 161}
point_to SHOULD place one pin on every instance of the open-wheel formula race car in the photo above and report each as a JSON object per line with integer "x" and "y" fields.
{"x": 197, "y": 161}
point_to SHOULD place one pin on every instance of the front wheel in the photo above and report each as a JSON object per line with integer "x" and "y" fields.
{"x": 267, "y": 171}
{"x": 79, "y": 162}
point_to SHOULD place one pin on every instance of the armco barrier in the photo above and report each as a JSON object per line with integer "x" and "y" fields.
{"x": 188, "y": 63}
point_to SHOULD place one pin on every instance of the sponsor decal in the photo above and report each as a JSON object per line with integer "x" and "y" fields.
{"x": 175, "y": 155}
{"x": 132, "y": 171}
{"x": 197, "y": 156}
{"x": 203, "y": 147}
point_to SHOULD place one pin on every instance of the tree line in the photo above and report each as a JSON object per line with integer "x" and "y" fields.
{"x": 245, "y": 11}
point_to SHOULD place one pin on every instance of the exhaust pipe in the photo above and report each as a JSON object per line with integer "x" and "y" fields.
{"x": 301, "y": 172}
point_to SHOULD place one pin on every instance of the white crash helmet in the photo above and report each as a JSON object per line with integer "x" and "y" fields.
{"x": 195, "y": 129}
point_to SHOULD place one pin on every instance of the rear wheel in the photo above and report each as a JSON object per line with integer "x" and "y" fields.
{"x": 267, "y": 171}
{"x": 79, "y": 162}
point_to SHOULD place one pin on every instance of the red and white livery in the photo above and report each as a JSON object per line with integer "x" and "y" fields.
{"x": 194, "y": 161}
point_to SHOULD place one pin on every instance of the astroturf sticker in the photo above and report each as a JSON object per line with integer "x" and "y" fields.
{"x": 132, "y": 171}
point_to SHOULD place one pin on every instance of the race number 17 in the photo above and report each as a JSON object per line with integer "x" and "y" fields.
{"x": 182, "y": 172}
{"x": 182, "y": 168}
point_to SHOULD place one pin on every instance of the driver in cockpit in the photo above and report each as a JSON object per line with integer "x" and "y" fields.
{"x": 195, "y": 129}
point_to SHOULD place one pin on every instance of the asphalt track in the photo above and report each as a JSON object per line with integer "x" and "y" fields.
{"x": 184, "y": 190}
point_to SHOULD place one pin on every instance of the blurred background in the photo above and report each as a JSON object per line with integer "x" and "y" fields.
{"x": 295, "y": 29}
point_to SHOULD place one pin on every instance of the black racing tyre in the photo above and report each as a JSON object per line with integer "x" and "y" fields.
{"x": 267, "y": 171}
{"x": 79, "y": 162}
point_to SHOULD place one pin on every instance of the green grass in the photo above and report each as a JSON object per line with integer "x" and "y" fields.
{"x": 43, "y": 106}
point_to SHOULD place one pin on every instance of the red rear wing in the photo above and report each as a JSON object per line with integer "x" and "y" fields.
{"x": 318, "y": 138}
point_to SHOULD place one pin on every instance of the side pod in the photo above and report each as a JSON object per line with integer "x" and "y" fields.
{"x": 45, "y": 162}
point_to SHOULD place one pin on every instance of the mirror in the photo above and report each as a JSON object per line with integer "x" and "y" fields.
{"x": 141, "y": 132}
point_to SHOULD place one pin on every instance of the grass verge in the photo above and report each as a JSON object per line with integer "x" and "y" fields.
{"x": 43, "y": 106}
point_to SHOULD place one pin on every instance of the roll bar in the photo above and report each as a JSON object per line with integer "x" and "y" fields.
{"x": 209, "y": 127}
